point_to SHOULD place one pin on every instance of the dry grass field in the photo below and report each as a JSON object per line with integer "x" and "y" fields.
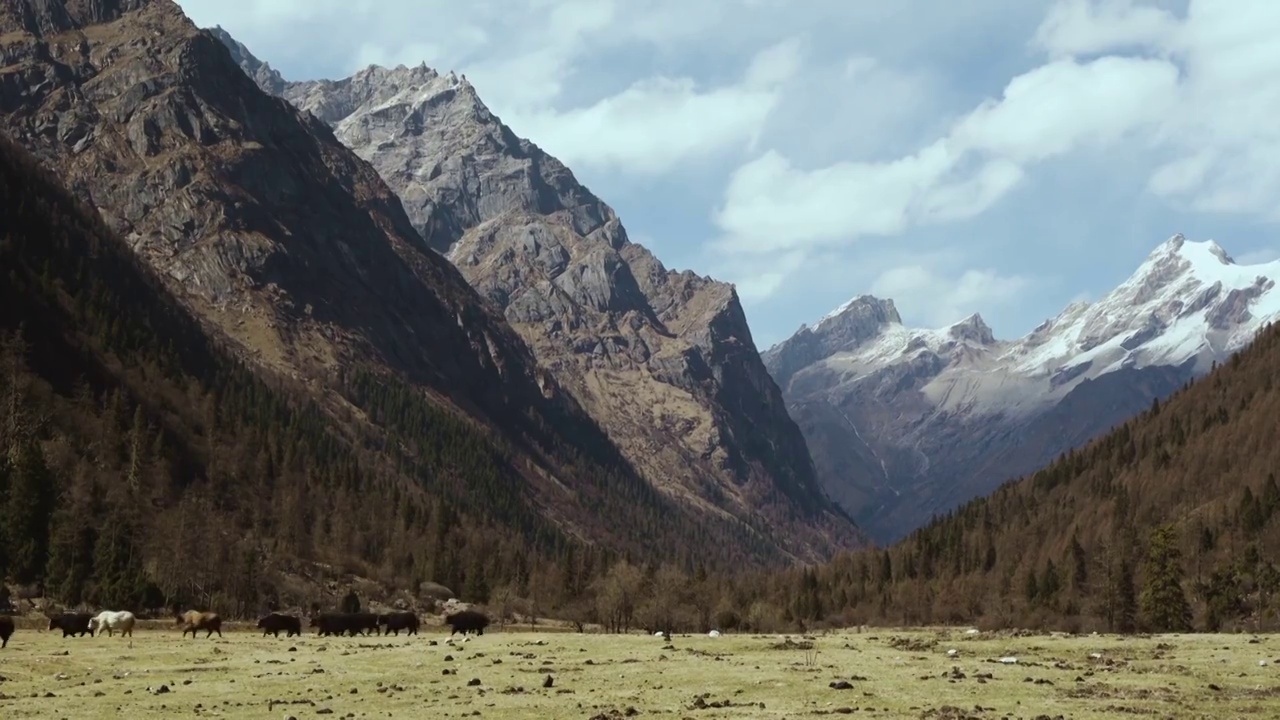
{"x": 876, "y": 673}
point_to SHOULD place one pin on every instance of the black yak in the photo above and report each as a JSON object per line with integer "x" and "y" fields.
{"x": 334, "y": 623}
{"x": 365, "y": 623}
{"x": 275, "y": 622}
{"x": 72, "y": 624}
{"x": 467, "y": 621}
{"x": 6, "y": 630}
{"x": 194, "y": 621}
{"x": 397, "y": 621}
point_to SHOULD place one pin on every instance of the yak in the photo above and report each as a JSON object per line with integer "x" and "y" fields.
{"x": 194, "y": 621}
{"x": 71, "y": 624}
{"x": 275, "y": 622}
{"x": 467, "y": 621}
{"x": 365, "y": 623}
{"x": 113, "y": 620}
{"x": 397, "y": 621}
{"x": 6, "y": 630}
{"x": 334, "y": 623}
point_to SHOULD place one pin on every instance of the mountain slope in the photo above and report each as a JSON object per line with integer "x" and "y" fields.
{"x": 663, "y": 361}
{"x": 284, "y": 242}
{"x": 1180, "y": 501}
{"x": 140, "y": 464}
{"x": 904, "y": 423}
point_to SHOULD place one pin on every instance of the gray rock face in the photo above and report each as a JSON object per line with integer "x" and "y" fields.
{"x": 295, "y": 252}
{"x": 664, "y": 361}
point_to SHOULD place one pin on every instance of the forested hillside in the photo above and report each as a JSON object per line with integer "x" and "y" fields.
{"x": 1171, "y": 522}
{"x": 140, "y": 464}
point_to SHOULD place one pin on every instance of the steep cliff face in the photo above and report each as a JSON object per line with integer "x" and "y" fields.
{"x": 664, "y": 361}
{"x": 285, "y": 242}
{"x": 904, "y": 423}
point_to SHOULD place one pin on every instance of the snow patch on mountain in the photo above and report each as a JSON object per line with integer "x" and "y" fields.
{"x": 1187, "y": 302}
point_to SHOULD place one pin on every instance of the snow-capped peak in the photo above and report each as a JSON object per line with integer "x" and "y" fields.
{"x": 1187, "y": 302}
{"x": 864, "y": 304}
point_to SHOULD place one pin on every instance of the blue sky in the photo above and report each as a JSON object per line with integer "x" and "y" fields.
{"x": 996, "y": 156}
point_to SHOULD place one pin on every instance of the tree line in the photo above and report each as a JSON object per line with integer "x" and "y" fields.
{"x": 141, "y": 465}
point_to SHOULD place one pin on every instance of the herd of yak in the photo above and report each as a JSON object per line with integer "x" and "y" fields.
{"x": 193, "y": 621}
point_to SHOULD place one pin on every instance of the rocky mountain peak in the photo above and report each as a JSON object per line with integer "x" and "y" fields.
{"x": 260, "y": 72}
{"x": 972, "y": 329}
{"x": 861, "y": 309}
{"x": 295, "y": 253}
{"x": 857, "y": 321}
{"x": 914, "y": 421}
{"x": 48, "y": 17}
{"x": 662, "y": 360}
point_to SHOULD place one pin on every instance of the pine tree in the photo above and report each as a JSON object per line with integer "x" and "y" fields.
{"x": 1050, "y": 583}
{"x": 1126, "y": 611}
{"x": 32, "y": 498}
{"x": 1164, "y": 605}
{"x": 1079, "y": 565}
{"x": 71, "y": 551}
{"x": 117, "y": 564}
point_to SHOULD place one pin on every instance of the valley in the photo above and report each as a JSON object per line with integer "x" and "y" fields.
{"x": 267, "y": 344}
{"x": 889, "y": 673}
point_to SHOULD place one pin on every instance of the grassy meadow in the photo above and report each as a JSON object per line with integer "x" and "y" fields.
{"x": 879, "y": 673}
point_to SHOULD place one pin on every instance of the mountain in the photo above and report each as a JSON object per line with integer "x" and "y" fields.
{"x": 904, "y": 423}
{"x": 142, "y": 464}
{"x": 1170, "y": 522}
{"x": 664, "y": 361}
{"x": 292, "y": 250}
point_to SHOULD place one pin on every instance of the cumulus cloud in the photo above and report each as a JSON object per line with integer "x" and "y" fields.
{"x": 655, "y": 124}
{"x": 938, "y": 300}
{"x": 775, "y": 151}
{"x": 1081, "y": 27}
{"x": 1195, "y": 90}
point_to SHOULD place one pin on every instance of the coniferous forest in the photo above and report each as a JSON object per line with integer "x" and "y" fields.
{"x": 142, "y": 465}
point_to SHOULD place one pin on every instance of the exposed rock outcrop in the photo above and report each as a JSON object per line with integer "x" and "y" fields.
{"x": 290, "y": 246}
{"x": 664, "y": 361}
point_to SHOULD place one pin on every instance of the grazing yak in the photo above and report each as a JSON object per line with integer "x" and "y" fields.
{"x": 193, "y": 621}
{"x": 111, "y": 621}
{"x": 71, "y": 624}
{"x": 275, "y": 622}
{"x": 6, "y": 630}
{"x": 334, "y": 623}
{"x": 467, "y": 621}
{"x": 396, "y": 621}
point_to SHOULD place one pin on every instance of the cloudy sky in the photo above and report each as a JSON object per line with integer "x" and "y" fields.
{"x": 995, "y": 156}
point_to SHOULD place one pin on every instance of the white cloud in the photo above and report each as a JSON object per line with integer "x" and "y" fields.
{"x": 1200, "y": 92}
{"x": 1054, "y": 108}
{"x": 769, "y": 135}
{"x": 657, "y": 123}
{"x": 1081, "y": 27}
{"x": 1044, "y": 113}
{"x": 938, "y": 300}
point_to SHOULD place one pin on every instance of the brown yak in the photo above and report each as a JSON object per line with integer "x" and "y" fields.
{"x": 194, "y": 620}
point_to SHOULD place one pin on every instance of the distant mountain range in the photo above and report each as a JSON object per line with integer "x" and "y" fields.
{"x": 904, "y": 423}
